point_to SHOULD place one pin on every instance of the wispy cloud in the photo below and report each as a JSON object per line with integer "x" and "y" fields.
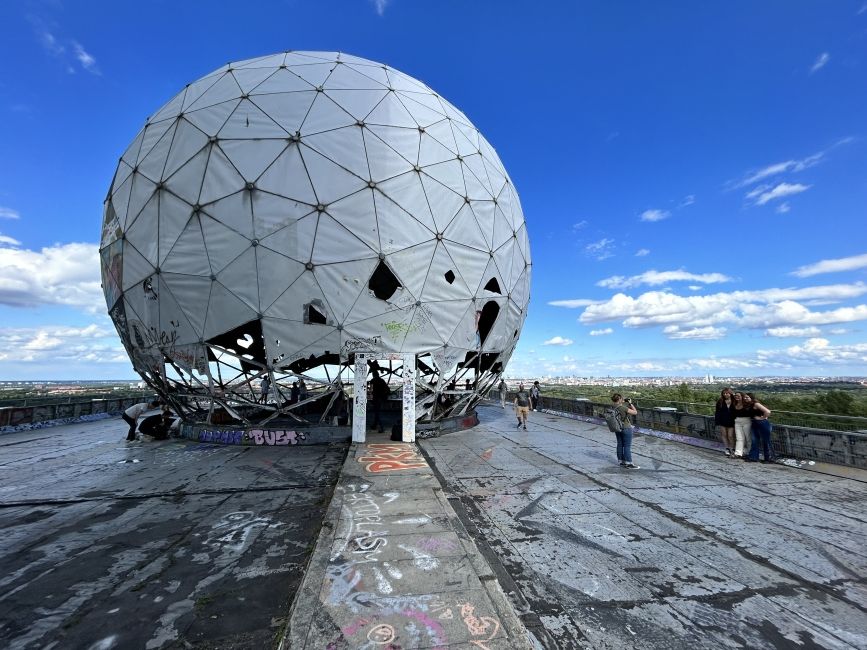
{"x": 579, "y": 225}
{"x": 602, "y": 332}
{"x": 786, "y": 332}
{"x": 820, "y": 62}
{"x": 655, "y": 278}
{"x": 61, "y": 345}
{"x": 68, "y": 51}
{"x": 600, "y": 250}
{"x": 574, "y": 304}
{"x": 862, "y": 10}
{"x": 832, "y": 266}
{"x": 558, "y": 340}
{"x": 8, "y": 241}
{"x": 689, "y": 199}
{"x": 786, "y": 166}
{"x": 380, "y": 6}
{"x": 654, "y": 215}
{"x": 697, "y": 333}
{"x": 85, "y": 59}
{"x": 641, "y": 252}
{"x": 9, "y": 213}
{"x": 763, "y": 195}
{"x": 783, "y": 208}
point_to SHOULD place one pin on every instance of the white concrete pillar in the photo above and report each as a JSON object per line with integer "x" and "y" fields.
{"x": 408, "y": 397}
{"x": 359, "y": 400}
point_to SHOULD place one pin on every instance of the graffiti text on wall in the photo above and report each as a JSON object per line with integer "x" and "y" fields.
{"x": 225, "y": 437}
{"x": 266, "y": 437}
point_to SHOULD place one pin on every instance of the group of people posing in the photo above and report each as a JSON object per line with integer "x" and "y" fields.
{"x": 744, "y": 426}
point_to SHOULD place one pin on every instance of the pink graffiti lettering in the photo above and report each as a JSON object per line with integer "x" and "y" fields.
{"x": 391, "y": 458}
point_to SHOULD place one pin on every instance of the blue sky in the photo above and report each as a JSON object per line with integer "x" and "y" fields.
{"x": 693, "y": 175}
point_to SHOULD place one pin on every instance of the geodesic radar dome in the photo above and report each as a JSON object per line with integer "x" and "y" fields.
{"x": 283, "y": 213}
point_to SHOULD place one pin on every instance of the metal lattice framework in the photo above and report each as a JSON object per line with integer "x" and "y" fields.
{"x": 282, "y": 213}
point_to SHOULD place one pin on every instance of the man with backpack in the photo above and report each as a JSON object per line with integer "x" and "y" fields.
{"x": 619, "y": 421}
{"x": 522, "y": 406}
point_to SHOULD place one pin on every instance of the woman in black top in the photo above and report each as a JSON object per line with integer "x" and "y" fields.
{"x": 724, "y": 418}
{"x": 761, "y": 427}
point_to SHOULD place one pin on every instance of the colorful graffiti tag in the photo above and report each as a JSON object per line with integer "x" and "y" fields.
{"x": 266, "y": 437}
{"x": 391, "y": 458}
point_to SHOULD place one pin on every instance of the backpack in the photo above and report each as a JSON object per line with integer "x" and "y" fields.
{"x": 612, "y": 419}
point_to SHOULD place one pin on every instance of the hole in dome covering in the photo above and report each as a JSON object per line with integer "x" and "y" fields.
{"x": 314, "y": 313}
{"x": 493, "y": 286}
{"x": 245, "y": 342}
{"x": 383, "y": 282}
{"x": 450, "y": 276}
{"x": 486, "y": 321}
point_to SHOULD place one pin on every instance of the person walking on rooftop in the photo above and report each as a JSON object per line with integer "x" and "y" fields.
{"x": 134, "y": 412}
{"x": 504, "y": 389}
{"x": 535, "y": 393}
{"x": 625, "y": 409}
{"x": 724, "y": 418}
{"x": 522, "y": 406}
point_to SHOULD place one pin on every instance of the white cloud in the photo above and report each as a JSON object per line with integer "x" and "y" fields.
{"x": 572, "y": 304}
{"x": 689, "y": 199}
{"x": 832, "y": 266}
{"x": 787, "y": 166}
{"x": 762, "y": 309}
{"x": 579, "y": 225}
{"x": 380, "y": 6}
{"x": 694, "y": 287}
{"x": 655, "y": 278}
{"x": 655, "y": 215}
{"x": 787, "y": 331}
{"x": 778, "y": 192}
{"x": 63, "y": 274}
{"x": 61, "y": 345}
{"x": 86, "y": 61}
{"x": 820, "y": 62}
{"x": 819, "y": 351}
{"x": 641, "y": 252}
{"x": 601, "y": 250}
{"x": 838, "y": 331}
{"x": 701, "y": 333}
{"x": 602, "y": 332}
{"x": 9, "y": 213}
{"x": 783, "y": 208}
{"x": 558, "y": 340}
{"x": 9, "y": 241}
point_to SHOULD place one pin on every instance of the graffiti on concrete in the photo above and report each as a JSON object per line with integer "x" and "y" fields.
{"x": 230, "y": 437}
{"x": 266, "y": 437}
{"x": 383, "y": 457}
{"x": 233, "y": 530}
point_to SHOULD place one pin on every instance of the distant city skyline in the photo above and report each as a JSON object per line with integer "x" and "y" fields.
{"x": 693, "y": 208}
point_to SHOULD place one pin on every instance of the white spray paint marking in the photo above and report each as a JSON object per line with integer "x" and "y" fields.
{"x": 390, "y": 496}
{"x": 104, "y": 644}
{"x": 114, "y": 611}
{"x": 422, "y": 560}
{"x": 235, "y": 528}
{"x": 394, "y": 572}
{"x": 382, "y": 584}
{"x": 414, "y": 520}
{"x": 158, "y": 599}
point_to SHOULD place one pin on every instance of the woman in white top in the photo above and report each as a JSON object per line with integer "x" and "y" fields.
{"x": 134, "y": 412}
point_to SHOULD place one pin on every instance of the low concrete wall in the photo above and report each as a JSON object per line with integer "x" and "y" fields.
{"x": 838, "y": 447}
{"x": 20, "y": 418}
{"x": 257, "y": 436}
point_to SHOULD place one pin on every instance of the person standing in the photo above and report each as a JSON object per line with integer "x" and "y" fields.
{"x": 535, "y": 393}
{"x": 761, "y": 431}
{"x": 724, "y": 418}
{"x": 134, "y": 412}
{"x": 743, "y": 413}
{"x": 264, "y": 388}
{"x": 504, "y": 390}
{"x": 379, "y": 394}
{"x": 522, "y": 406}
{"x": 625, "y": 409}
